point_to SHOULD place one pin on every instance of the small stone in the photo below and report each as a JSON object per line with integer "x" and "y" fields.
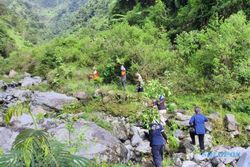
{"x": 221, "y": 165}
{"x": 198, "y": 158}
{"x": 83, "y": 96}
{"x": 189, "y": 164}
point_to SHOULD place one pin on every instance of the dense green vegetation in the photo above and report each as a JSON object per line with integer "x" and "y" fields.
{"x": 197, "y": 50}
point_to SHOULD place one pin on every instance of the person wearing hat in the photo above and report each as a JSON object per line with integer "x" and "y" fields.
{"x": 161, "y": 109}
{"x": 157, "y": 139}
{"x": 197, "y": 122}
{"x": 123, "y": 76}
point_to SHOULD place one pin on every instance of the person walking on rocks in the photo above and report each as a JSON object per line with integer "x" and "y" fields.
{"x": 161, "y": 109}
{"x": 157, "y": 139}
{"x": 197, "y": 123}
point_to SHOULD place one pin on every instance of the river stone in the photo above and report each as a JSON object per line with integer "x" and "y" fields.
{"x": 52, "y": 100}
{"x": 30, "y": 81}
{"x": 7, "y": 137}
{"x": 97, "y": 143}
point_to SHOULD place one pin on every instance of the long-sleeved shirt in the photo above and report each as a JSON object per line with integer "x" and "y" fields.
{"x": 198, "y": 121}
{"x": 155, "y": 135}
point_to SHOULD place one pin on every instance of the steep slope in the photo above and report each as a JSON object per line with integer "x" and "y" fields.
{"x": 47, "y": 19}
{"x": 11, "y": 32}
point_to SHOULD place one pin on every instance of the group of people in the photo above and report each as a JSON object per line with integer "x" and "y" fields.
{"x": 95, "y": 76}
{"x": 158, "y": 138}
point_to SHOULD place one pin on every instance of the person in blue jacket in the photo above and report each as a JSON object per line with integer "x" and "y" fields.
{"x": 157, "y": 139}
{"x": 198, "y": 122}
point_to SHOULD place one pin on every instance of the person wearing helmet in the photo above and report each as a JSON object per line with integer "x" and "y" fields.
{"x": 157, "y": 139}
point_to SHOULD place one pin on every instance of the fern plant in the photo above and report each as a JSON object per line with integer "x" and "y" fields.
{"x": 35, "y": 148}
{"x": 17, "y": 110}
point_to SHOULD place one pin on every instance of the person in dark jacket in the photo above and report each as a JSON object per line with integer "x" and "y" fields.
{"x": 157, "y": 139}
{"x": 198, "y": 122}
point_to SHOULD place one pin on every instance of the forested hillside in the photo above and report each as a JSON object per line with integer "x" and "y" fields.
{"x": 194, "y": 52}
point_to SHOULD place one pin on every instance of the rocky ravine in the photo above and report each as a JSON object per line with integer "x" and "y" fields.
{"x": 125, "y": 142}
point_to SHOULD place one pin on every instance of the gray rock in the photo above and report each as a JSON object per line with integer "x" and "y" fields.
{"x": 205, "y": 164}
{"x": 221, "y": 165}
{"x": 82, "y": 96}
{"x": 182, "y": 123}
{"x": 51, "y": 100}
{"x": 178, "y": 158}
{"x": 143, "y": 147}
{"x": 30, "y": 81}
{"x": 136, "y": 140}
{"x": 189, "y": 164}
{"x": 179, "y": 134}
{"x": 214, "y": 116}
{"x": 7, "y": 137}
{"x": 21, "y": 95}
{"x": 230, "y": 122}
{"x": 24, "y": 120}
{"x": 49, "y": 123}
{"x": 233, "y": 154}
{"x": 208, "y": 126}
{"x": 96, "y": 143}
{"x": 186, "y": 146}
{"x": 244, "y": 160}
{"x": 208, "y": 140}
{"x": 182, "y": 117}
{"x": 198, "y": 158}
{"x": 121, "y": 129}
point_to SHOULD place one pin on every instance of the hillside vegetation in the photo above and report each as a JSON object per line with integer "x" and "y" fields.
{"x": 198, "y": 50}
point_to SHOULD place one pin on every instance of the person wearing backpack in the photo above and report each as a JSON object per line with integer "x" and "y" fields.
{"x": 197, "y": 123}
{"x": 157, "y": 139}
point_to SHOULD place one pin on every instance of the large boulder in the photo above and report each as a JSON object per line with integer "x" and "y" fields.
{"x": 121, "y": 129}
{"x": 7, "y": 137}
{"x": 244, "y": 160}
{"x": 51, "y": 100}
{"x": 230, "y": 123}
{"x": 30, "y": 81}
{"x": 94, "y": 143}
